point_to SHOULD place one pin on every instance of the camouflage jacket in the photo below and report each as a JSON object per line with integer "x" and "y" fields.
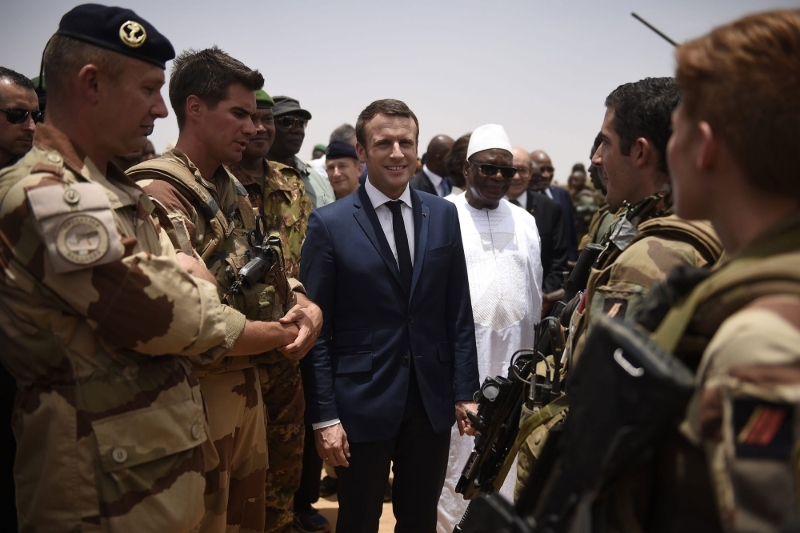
{"x": 108, "y": 436}
{"x": 636, "y": 257}
{"x": 219, "y": 238}
{"x": 280, "y": 197}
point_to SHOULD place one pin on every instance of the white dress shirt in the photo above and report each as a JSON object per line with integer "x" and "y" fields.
{"x": 435, "y": 178}
{"x": 378, "y": 200}
{"x": 522, "y": 200}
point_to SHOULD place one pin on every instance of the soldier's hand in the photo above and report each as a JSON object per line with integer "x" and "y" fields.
{"x": 195, "y": 267}
{"x": 549, "y": 299}
{"x": 464, "y": 423}
{"x": 332, "y": 445}
{"x": 308, "y": 318}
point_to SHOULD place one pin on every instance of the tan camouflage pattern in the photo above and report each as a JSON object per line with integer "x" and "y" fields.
{"x": 235, "y": 491}
{"x": 238, "y": 429}
{"x": 755, "y": 355}
{"x": 282, "y": 388}
{"x": 109, "y": 437}
{"x": 281, "y": 199}
{"x": 618, "y": 289}
{"x": 532, "y": 446}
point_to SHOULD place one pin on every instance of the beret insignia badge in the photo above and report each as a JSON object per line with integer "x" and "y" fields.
{"x": 132, "y": 34}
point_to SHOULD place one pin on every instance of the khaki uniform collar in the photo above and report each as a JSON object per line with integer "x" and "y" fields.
{"x": 120, "y": 189}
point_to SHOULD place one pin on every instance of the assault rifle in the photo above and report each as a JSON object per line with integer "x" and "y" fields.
{"x": 266, "y": 265}
{"x": 626, "y": 394}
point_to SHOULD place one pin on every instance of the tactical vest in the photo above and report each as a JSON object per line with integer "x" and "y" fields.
{"x": 669, "y": 227}
{"x": 228, "y": 250}
{"x": 643, "y": 221}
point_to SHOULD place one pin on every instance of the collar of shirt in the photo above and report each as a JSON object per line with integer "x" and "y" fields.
{"x": 435, "y": 178}
{"x": 522, "y": 199}
{"x": 301, "y": 167}
{"x": 549, "y": 193}
{"x": 384, "y": 214}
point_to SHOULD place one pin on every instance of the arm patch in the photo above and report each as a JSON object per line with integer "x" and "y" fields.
{"x": 762, "y": 429}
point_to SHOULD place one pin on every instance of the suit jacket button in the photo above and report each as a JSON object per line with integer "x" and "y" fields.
{"x": 410, "y": 319}
{"x": 405, "y": 361}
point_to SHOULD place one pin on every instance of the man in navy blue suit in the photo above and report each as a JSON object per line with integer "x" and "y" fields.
{"x": 395, "y": 365}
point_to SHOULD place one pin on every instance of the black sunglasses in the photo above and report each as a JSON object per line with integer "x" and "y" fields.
{"x": 291, "y": 122}
{"x": 18, "y": 116}
{"x": 492, "y": 170}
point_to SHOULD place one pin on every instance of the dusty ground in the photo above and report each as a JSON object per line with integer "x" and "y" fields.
{"x": 329, "y": 508}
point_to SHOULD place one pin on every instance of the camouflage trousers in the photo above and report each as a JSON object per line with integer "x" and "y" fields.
{"x": 282, "y": 390}
{"x": 234, "y": 494}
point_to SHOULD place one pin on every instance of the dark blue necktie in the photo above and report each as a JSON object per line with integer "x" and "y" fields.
{"x": 445, "y": 187}
{"x": 401, "y": 244}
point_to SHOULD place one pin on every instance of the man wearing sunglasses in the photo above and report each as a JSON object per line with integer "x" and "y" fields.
{"x": 290, "y": 131}
{"x": 504, "y": 268}
{"x": 19, "y": 113}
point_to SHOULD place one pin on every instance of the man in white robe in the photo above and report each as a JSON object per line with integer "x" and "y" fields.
{"x": 502, "y": 249}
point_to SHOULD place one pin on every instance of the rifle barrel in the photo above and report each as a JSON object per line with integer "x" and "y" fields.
{"x": 640, "y": 19}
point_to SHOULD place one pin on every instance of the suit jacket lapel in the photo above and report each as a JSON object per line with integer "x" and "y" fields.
{"x": 368, "y": 220}
{"x": 421, "y": 216}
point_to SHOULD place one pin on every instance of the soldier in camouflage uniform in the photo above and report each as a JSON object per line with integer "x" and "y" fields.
{"x": 733, "y": 465}
{"x": 110, "y": 437}
{"x": 276, "y": 192}
{"x": 647, "y": 240}
{"x": 211, "y": 216}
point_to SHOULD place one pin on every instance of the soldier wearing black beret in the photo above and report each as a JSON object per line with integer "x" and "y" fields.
{"x": 100, "y": 319}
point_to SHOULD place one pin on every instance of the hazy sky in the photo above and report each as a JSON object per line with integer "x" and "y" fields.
{"x": 542, "y": 69}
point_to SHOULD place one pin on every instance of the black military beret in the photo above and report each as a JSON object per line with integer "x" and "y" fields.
{"x": 338, "y": 150}
{"x": 285, "y": 105}
{"x": 117, "y": 29}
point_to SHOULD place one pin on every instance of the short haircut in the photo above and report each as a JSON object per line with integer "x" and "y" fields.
{"x": 343, "y": 133}
{"x": 578, "y": 167}
{"x": 64, "y": 57}
{"x": 388, "y": 107}
{"x": 15, "y": 78}
{"x": 743, "y": 79}
{"x": 644, "y": 109}
{"x": 207, "y": 74}
{"x": 455, "y": 160}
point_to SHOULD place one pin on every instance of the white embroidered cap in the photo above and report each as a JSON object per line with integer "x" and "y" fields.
{"x": 487, "y": 137}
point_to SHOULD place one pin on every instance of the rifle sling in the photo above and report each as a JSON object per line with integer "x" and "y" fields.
{"x": 542, "y": 416}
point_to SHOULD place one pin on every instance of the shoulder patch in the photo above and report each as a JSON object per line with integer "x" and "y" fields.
{"x": 762, "y": 429}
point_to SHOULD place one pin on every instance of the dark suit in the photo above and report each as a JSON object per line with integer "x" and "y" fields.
{"x": 550, "y": 223}
{"x": 389, "y": 365}
{"x": 564, "y": 199}
{"x": 422, "y": 182}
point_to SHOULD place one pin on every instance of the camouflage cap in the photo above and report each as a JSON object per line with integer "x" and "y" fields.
{"x": 263, "y": 100}
{"x": 117, "y": 29}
